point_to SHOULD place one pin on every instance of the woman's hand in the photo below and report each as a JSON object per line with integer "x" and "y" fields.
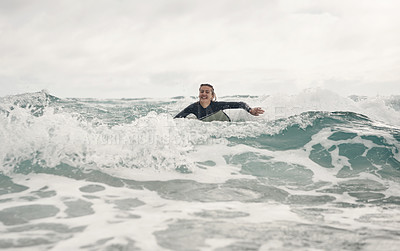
{"x": 256, "y": 111}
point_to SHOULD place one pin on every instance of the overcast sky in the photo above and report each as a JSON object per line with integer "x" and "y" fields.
{"x": 164, "y": 48}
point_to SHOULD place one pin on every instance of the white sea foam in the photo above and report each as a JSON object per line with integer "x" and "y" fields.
{"x": 152, "y": 141}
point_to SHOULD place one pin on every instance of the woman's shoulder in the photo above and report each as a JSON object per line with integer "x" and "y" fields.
{"x": 193, "y": 105}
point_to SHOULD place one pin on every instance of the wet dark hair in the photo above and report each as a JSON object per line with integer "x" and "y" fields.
{"x": 208, "y": 86}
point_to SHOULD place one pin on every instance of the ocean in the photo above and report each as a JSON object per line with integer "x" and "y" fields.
{"x": 317, "y": 171}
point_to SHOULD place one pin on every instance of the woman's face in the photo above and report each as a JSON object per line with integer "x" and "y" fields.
{"x": 206, "y": 93}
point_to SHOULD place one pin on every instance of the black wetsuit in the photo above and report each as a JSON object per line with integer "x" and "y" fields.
{"x": 213, "y": 108}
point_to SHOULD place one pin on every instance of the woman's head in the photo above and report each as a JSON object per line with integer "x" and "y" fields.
{"x": 206, "y": 92}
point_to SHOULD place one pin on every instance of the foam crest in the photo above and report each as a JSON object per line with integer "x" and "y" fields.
{"x": 384, "y": 109}
{"x": 155, "y": 141}
{"x": 53, "y": 138}
{"x": 44, "y": 140}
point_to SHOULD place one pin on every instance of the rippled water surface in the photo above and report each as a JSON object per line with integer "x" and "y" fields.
{"x": 316, "y": 172}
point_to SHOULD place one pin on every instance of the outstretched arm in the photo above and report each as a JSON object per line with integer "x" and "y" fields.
{"x": 253, "y": 111}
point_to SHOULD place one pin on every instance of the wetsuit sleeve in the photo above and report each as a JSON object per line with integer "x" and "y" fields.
{"x": 188, "y": 110}
{"x": 234, "y": 105}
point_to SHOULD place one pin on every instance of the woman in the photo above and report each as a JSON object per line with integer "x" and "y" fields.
{"x": 208, "y": 109}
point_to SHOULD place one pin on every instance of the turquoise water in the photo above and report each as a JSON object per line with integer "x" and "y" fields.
{"x": 317, "y": 171}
